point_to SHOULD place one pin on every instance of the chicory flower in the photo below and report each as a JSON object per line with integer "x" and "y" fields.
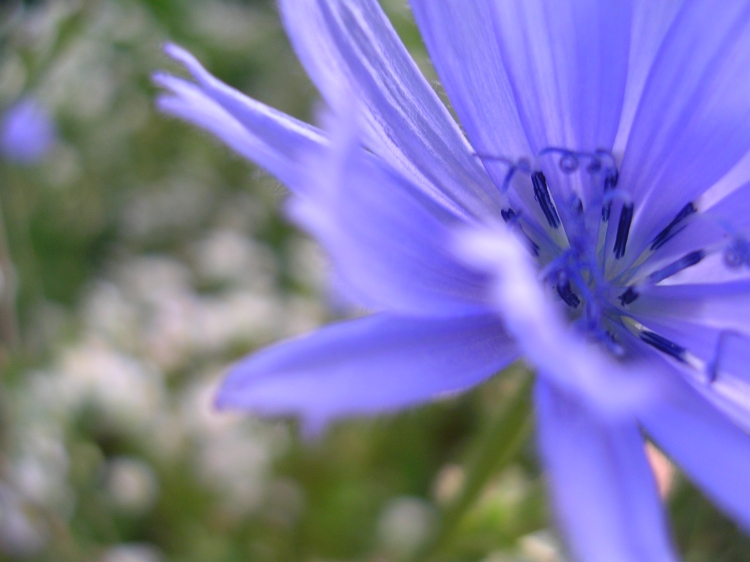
{"x": 27, "y": 132}
{"x": 592, "y": 219}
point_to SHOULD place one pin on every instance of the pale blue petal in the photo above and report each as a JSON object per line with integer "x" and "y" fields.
{"x": 351, "y": 45}
{"x": 712, "y": 322}
{"x": 567, "y": 63}
{"x": 712, "y": 451}
{"x": 464, "y": 48}
{"x": 717, "y": 366}
{"x": 389, "y": 243}
{"x": 271, "y": 139}
{"x": 370, "y": 365}
{"x": 601, "y": 484}
{"x": 693, "y": 121}
{"x": 651, "y": 21}
{"x": 718, "y": 305}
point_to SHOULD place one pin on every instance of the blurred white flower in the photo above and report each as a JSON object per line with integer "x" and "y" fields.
{"x": 132, "y": 484}
{"x": 234, "y": 453}
{"x": 405, "y": 523}
{"x": 21, "y": 533}
{"x": 39, "y": 468}
{"x": 128, "y": 391}
{"x": 541, "y": 546}
{"x": 132, "y": 552}
{"x": 229, "y": 256}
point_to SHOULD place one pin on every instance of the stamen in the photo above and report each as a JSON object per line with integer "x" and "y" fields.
{"x": 611, "y": 179}
{"x": 610, "y": 183}
{"x": 623, "y": 230}
{"x": 712, "y": 366}
{"x": 495, "y": 158}
{"x": 684, "y": 262}
{"x": 628, "y": 296}
{"x": 542, "y": 196}
{"x": 664, "y": 345}
{"x": 567, "y": 294}
{"x": 522, "y": 164}
{"x": 671, "y": 229}
{"x": 508, "y": 215}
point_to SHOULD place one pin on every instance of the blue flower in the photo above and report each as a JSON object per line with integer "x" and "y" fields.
{"x": 592, "y": 220}
{"x": 27, "y": 132}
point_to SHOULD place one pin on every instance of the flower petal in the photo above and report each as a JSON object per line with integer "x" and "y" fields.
{"x": 603, "y": 489}
{"x": 567, "y": 63}
{"x": 257, "y": 132}
{"x": 711, "y": 321}
{"x": 368, "y": 365}
{"x": 464, "y": 49}
{"x": 389, "y": 243}
{"x": 651, "y": 21}
{"x": 352, "y": 44}
{"x": 693, "y": 121}
{"x": 716, "y": 368}
{"x": 713, "y": 452}
{"x": 724, "y": 306}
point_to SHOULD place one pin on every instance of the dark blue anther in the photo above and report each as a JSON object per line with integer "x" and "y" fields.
{"x": 673, "y": 227}
{"x": 542, "y": 196}
{"x": 623, "y": 230}
{"x": 611, "y": 179}
{"x": 628, "y": 296}
{"x": 664, "y": 345}
{"x": 508, "y": 215}
{"x": 567, "y": 294}
{"x": 684, "y": 262}
{"x": 610, "y": 182}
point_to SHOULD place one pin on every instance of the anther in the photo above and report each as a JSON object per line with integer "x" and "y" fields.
{"x": 508, "y": 215}
{"x": 684, "y": 262}
{"x": 664, "y": 345}
{"x": 629, "y": 296}
{"x": 567, "y": 294}
{"x": 672, "y": 228}
{"x": 623, "y": 230}
{"x": 610, "y": 183}
{"x": 611, "y": 179}
{"x": 542, "y": 196}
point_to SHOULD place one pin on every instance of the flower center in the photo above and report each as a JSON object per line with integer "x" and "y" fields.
{"x": 577, "y": 222}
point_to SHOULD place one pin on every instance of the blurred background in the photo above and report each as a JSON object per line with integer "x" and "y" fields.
{"x": 138, "y": 258}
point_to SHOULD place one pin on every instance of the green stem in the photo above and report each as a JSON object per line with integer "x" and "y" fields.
{"x": 495, "y": 448}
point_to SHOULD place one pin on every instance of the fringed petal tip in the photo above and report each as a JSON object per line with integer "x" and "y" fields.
{"x": 184, "y": 57}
